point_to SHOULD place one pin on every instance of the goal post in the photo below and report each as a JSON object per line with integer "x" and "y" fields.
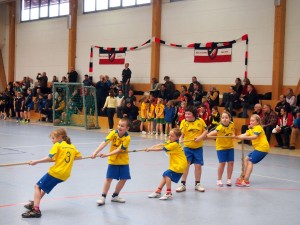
{"x": 75, "y": 105}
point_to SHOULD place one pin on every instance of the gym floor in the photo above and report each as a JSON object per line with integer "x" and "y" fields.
{"x": 273, "y": 197}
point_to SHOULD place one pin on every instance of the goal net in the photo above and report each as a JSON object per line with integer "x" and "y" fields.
{"x": 75, "y": 105}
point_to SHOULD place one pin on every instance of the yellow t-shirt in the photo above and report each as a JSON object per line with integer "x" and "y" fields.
{"x": 261, "y": 143}
{"x": 151, "y": 111}
{"x": 178, "y": 162}
{"x": 225, "y": 143}
{"x": 159, "y": 111}
{"x": 191, "y": 130}
{"x": 143, "y": 113}
{"x": 118, "y": 142}
{"x": 63, "y": 154}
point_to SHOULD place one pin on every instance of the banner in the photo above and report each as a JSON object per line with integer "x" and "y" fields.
{"x": 213, "y": 52}
{"x": 112, "y": 55}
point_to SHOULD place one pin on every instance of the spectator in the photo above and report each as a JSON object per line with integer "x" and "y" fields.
{"x": 295, "y": 130}
{"x": 115, "y": 85}
{"x": 181, "y": 113}
{"x": 238, "y": 85}
{"x": 87, "y": 81}
{"x": 238, "y": 88}
{"x": 232, "y": 101}
{"x": 64, "y": 79}
{"x": 47, "y": 109}
{"x": 197, "y": 94}
{"x": 101, "y": 93}
{"x": 213, "y": 97}
{"x": 269, "y": 120}
{"x": 130, "y": 111}
{"x": 155, "y": 86}
{"x": 59, "y": 107}
{"x": 191, "y": 87}
{"x": 214, "y": 119}
{"x": 284, "y": 126}
{"x": 126, "y": 76}
{"x": 130, "y": 97}
{"x": 246, "y": 82}
{"x": 291, "y": 98}
{"x": 282, "y": 103}
{"x": 188, "y": 99}
{"x": 203, "y": 114}
{"x": 183, "y": 91}
{"x": 119, "y": 98}
{"x": 43, "y": 82}
{"x": 163, "y": 93}
{"x": 111, "y": 105}
{"x": 40, "y": 104}
{"x": 249, "y": 100}
{"x": 72, "y": 75}
{"x": 170, "y": 88}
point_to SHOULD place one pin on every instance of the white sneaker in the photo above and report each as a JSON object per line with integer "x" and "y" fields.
{"x": 181, "y": 188}
{"x": 156, "y": 134}
{"x": 166, "y": 135}
{"x": 161, "y": 134}
{"x": 219, "y": 183}
{"x": 144, "y": 132}
{"x": 199, "y": 187}
{"x": 154, "y": 195}
{"x": 101, "y": 201}
{"x": 118, "y": 199}
{"x": 228, "y": 183}
{"x": 166, "y": 197}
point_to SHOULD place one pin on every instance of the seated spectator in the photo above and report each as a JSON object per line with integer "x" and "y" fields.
{"x": 249, "y": 100}
{"x": 269, "y": 120}
{"x": 130, "y": 111}
{"x": 64, "y": 79}
{"x": 206, "y": 104}
{"x": 163, "y": 93}
{"x": 290, "y": 98}
{"x": 59, "y": 107}
{"x": 282, "y": 103}
{"x": 70, "y": 110}
{"x": 197, "y": 94}
{"x": 130, "y": 98}
{"x": 238, "y": 87}
{"x": 54, "y": 80}
{"x": 155, "y": 86}
{"x": 284, "y": 126}
{"x": 213, "y": 97}
{"x": 214, "y": 119}
{"x": 233, "y": 101}
{"x": 295, "y": 130}
{"x": 191, "y": 86}
{"x": 47, "y": 109}
{"x": 115, "y": 85}
{"x": 183, "y": 91}
{"x": 246, "y": 82}
{"x": 188, "y": 99}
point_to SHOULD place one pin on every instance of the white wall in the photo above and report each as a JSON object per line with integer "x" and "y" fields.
{"x": 43, "y": 45}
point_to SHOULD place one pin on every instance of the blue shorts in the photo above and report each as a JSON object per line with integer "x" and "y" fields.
{"x": 175, "y": 177}
{"x": 256, "y": 156}
{"x": 226, "y": 155}
{"x": 47, "y": 183}
{"x": 194, "y": 155}
{"x": 118, "y": 172}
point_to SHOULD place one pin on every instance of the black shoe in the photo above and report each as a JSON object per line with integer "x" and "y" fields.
{"x": 29, "y": 206}
{"x": 278, "y": 146}
{"x": 32, "y": 214}
{"x": 292, "y": 148}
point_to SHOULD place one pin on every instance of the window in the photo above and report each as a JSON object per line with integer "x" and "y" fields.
{"x": 98, "y": 5}
{"x": 40, "y": 9}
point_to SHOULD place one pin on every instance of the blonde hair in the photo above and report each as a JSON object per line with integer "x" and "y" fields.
{"x": 176, "y": 131}
{"x": 257, "y": 118}
{"x": 61, "y": 132}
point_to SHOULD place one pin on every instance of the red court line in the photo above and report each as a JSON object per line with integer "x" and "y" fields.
{"x": 149, "y": 191}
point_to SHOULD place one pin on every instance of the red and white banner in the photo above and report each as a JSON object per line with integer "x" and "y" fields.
{"x": 213, "y": 52}
{"x": 112, "y": 55}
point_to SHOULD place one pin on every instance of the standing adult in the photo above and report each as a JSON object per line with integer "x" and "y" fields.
{"x": 101, "y": 93}
{"x": 170, "y": 87}
{"x": 43, "y": 82}
{"x": 126, "y": 76}
{"x": 191, "y": 87}
{"x": 72, "y": 76}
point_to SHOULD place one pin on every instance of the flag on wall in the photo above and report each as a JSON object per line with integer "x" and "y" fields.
{"x": 112, "y": 55}
{"x": 212, "y": 52}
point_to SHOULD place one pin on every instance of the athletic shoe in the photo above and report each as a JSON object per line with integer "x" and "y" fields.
{"x": 181, "y": 188}
{"x": 154, "y": 195}
{"x": 29, "y": 205}
{"x": 166, "y": 197}
{"x": 32, "y": 214}
{"x": 243, "y": 183}
{"x": 219, "y": 183}
{"x": 228, "y": 183}
{"x": 118, "y": 199}
{"x": 166, "y": 134}
{"x": 199, "y": 187}
{"x": 101, "y": 201}
{"x": 292, "y": 148}
{"x": 144, "y": 132}
{"x": 161, "y": 134}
